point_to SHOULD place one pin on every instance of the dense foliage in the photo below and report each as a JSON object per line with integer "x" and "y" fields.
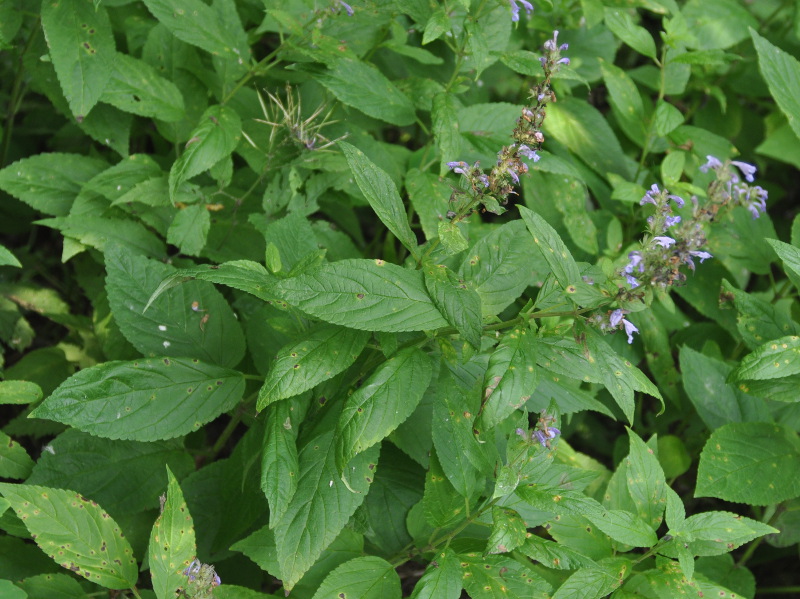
{"x": 399, "y": 298}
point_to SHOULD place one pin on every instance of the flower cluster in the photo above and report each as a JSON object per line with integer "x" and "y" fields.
{"x": 492, "y": 189}
{"x": 515, "y": 8}
{"x": 202, "y": 580}
{"x": 615, "y": 320}
{"x": 544, "y": 432}
{"x": 728, "y": 189}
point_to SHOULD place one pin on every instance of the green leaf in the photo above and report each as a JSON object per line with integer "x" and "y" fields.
{"x": 189, "y": 229}
{"x": 368, "y": 577}
{"x": 462, "y": 457}
{"x": 430, "y": 197}
{"x": 442, "y": 578}
{"x": 381, "y": 194}
{"x": 7, "y": 258}
{"x": 717, "y": 24}
{"x": 621, "y": 24}
{"x": 100, "y": 233}
{"x": 755, "y": 463}
{"x": 788, "y": 253}
{"x": 508, "y": 531}
{"x": 626, "y": 101}
{"x": 552, "y": 249}
{"x": 143, "y": 400}
{"x": 441, "y": 503}
{"x": 773, "y": 360}
{"x": 382, "y": 403}
{"x": 646, "y": 483}
{"x": 76, "y": 532}
{"x": 321, "y": 354}
{"x": 198, "y": 24}
{"x": 554, "y": 555}
{"x": 496, "y": 576}
{"x": 370, "y": 295}
{"x": 49, "y": 182}
{"x": 595, "y": 581}
{"x": 172, "y": 545}
{"x": 437, "y": 25}
{"x": 459, "y": 304}
{"x": 560, "y": 501}
{"x": 666, "y": 118}
{"x": 717, "y": 402}
{"x": 758, "y": 319}
{"x": 136, "y": 87}
{"x": 117, "y": 474}
{"x": 19, "y": 392}
{"x": 82, "y": 50}
{"x": 452, "y": 238}
{"x": 500, "y": 266}
{"x": 214, "y": 138}
{"x": 52, "y": 586}
{"x": 444, "y": 120}
{"x": 510, "y": 378}
{"x": 362, "y": 86}
{"x": 716, "y": 533}
{"x": 14, "y": 460}
{"x": 193, "y": 321}
{"x": 321, "y": 507}
{"x": 279, "y": 464}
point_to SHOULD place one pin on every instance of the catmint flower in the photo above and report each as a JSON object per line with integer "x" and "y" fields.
{"x": 483, "y": 179}
{"x": 346, "y": 6}
{"x": 664, "y": 242}
{"x": 528, "y": 153}
{"x": 632, "y": 281}
{"x": 677, "y": 199}
{"x": 564, "y": 60}
{"x": 650, "y": 196}
{"x": 630, "y": 329}
{"x": 515, "y": 8}
{"x": 635, "y": 262}
{"x": 551, "y": 45}
{"x": 748, "y": 170}
{"x": 671, "y": 221}
{"x": 545, "y": 436}
{"x": 514, "y": 175}
{"x": 712, "y": 162}
{"x": 217, "y": 580}
{"x": 697, "y": 254}
{"x": 458, "y": 167}
{"x": 617, "y": 317}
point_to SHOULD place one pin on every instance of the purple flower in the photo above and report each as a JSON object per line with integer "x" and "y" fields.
{"x": 711, "y": 163}
{"x": 748, "y": 170}
{"x": 528, "y": 153}
{"x": 664, "y": 242}
{"x": 630, "y": 329}
{"x": 217, "y": 580}
{"x": 347, "y": 7}
{"x": 697, "y": 254}
{"x": 483, "y": 179}
{"x": 563, "y": 61}
{"x": 515, "y": 9}
{"x": 513, "y": 175}
{"x": 551, "y": 45}
{"x": 458, "y": 167}
{"x": 635, "y": 262}
{"x": 671, "y": 221}
{"x": 650, "y": 196}
{"x": 543, "y": 437}
{"x": 616, "y": 317}
{"x": 632, "y": 281}
{"x": 677, "y": 199}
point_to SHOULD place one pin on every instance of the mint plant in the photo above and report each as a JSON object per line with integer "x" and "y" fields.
{"x": 399, "y": 299}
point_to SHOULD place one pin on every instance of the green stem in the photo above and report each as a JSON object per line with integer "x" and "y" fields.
{"x": 779, "y": 591}
{"x": 661, "y": 92}
{"x": 135, "y": 593}
{"x": 15, "y": 98}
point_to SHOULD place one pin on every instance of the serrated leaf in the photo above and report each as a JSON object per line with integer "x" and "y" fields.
{"x": 279, "y": 463}
{"x": 500, "y": 266}
{"x": 76, "y": 532}
{"x": 117, "y": 474}
{"x": 137, "y": 88}
{"x": 52, "y": 586}
{"x": 495, "y": 577}
{"x": 646, "y": 482}
{"x": 773, "y": 360}
{"x": 198, "y": 24}
{"x": 716, "y": 533}
{"x": 192, "y": 321}
{"x": 143, "y": 400}
{"x": 189, "y": 229}
{"x": 594, "y": 582}
{"x": 381, "y": 193}
{"x": 319, "y": 355}
{"x": 100, "y": 233}
{"x": 49, "y": 182}
{"x": 458, "y": 303}
{"x": 782, "y": 74}
{"x": 755, "y": 463}
{"x": 172, "y": 545}
{"x": 510, "y": 378}
{"x": 382, "y": 403}
{"x": 552, "y": 249}
{"x": 554, "y": 555}
{"x": 621, "y": 24}
{"x": 362, "y": 86}
{"x": 370, "y": 295}
{"x": 625, "y": 527}
{"x": 215, "y": 137}
{"x": 444, "y": 121}
{"x": 321, "y": 507}
{"x": 429, "y": 196}
{"x": 244, "y": 275}
{"x": 442, "y": 578}
{"x": 438, "y": 24}
{"x": 82, "y": 50}
{"x": 626, "y": 101}
{"x": 717, "y": 402}
{"x": 19, "y": 392}
{"x": 368, "y": 577}
{"x": 508, "y": 531}
{"x": 560, "y": 501}
{"x": 14, "y": 460}
{"x": 759, "y": 320}
{"x": 7, "y": 258}
{"x": 441, "y": 503}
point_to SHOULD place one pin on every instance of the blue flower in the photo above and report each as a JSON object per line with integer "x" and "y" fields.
{"x": 650, "y": 196}
{"x": 617, "y": 317}
{"x": 664, "y": 242}
{"x": 671, "y": 221}
{"x": 748, "y": 170}
{"x": 544, "y": 437}
{"x": 697, "y": 254}
{"x": 711, "y": 163}
{"x": 635, "y": 258}
{"x": 515, "y": 9}
{"x": 677, "y": 199}
{"x": 458, "y": 167}
{"x": 528, "y": 153}
{"x": 630, "y": 329}
{"x": 632, "y": 281}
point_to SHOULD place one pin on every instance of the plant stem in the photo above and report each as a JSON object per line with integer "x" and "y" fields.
{"x": 15, "y": 99}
